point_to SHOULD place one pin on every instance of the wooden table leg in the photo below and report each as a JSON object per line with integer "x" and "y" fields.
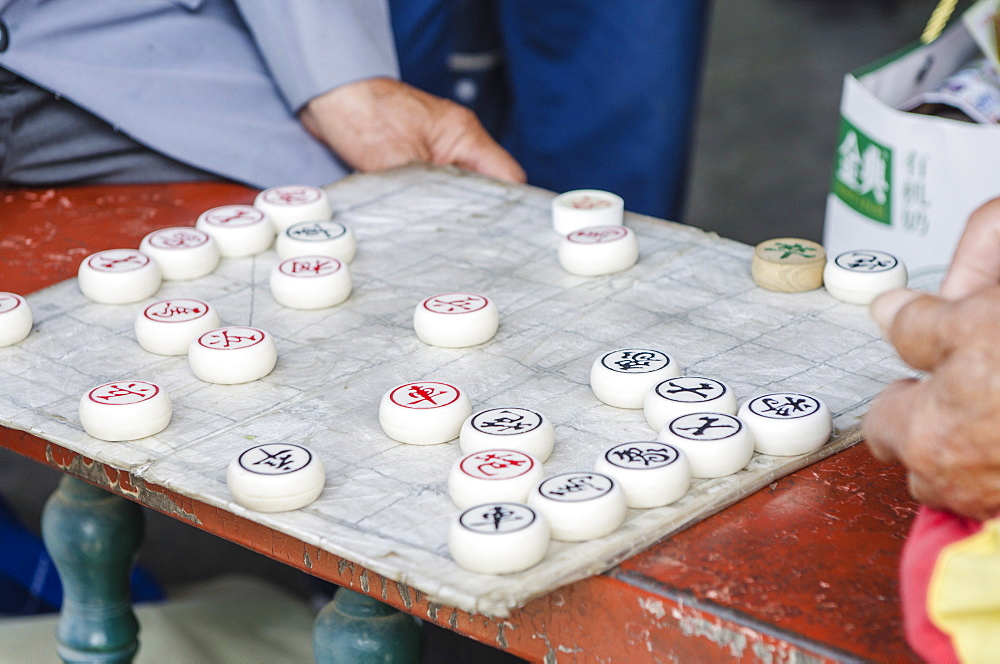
{"x": 93, "y": 537}
{"x": 356, "y": 628}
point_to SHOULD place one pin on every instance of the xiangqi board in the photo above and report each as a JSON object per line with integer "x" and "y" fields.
{"x": 421, "y": 231}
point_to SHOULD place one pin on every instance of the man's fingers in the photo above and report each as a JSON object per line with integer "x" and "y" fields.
{"x": 457, "y": 138}
{"x": 927, "y": 329}
{"x": 886, "y": 306}
{"x": 923, "y": 328}
{"x": 489, "y": 159}
{"x": 976, "y": 263}
{"x": 885, "y": 427}
{"x": 380, "y": 123}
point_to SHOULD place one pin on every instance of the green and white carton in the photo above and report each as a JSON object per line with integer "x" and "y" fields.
{"x": 906, "y": 182}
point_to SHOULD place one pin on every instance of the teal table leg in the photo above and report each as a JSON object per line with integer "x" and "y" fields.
{"x": 93, "y": 536}
{"x": 357, "y": 629}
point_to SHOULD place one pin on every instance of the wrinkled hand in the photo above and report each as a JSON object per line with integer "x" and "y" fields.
{"x": 945, "y": 427}
{"x": 381, "y": 123}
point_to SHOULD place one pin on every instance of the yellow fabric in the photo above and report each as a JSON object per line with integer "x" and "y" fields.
{"x": 938, "y": 20}
{"x": 963, "y": 599}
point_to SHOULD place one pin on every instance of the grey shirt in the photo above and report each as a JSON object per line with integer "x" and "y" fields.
{"x": 212, "y": 83}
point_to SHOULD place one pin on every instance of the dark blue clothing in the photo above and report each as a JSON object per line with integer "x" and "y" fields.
{"x": 584, "y": 93}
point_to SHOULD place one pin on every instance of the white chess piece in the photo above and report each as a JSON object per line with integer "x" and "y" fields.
{"x": 599, "y": 250}
{"x": 787, "y": 423}
{"x": 310, "y": 282}
{"x": 493, "y": 475}
{"x": 232, "y": 355}
{"x": 580, "y": 506}
{"x": 289, "y": 204}
{"x": 125, "y": 410}
{"x": 860, "y": 276}
{"x": 169, "y": 326}
{"x": 513, "y": 428}
{"x": 182, "y": 252}
{"x": 239, "y": 230}
{"x": 498, "y": 538}
{"x": 582, "y": 208}
{"x": 15, "y": 319}
{"x": 652, "y": 474}
{"x": 716, "y": 444}
{"x": 622, "y": 377}
{"x": 317, "y": 238}
{"x": 424, "y": 412}
{"x": 118, "y": 276}
{"x": 275, "y": 477}
{"x": 678, "y": 396}
{"x": 456, "y": 320}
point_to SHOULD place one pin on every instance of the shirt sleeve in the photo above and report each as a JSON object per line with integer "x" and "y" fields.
{"x": 313, "y": 46}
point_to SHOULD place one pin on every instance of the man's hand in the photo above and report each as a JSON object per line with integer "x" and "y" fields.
{"x": 944, "y": 427}
{"x": 380, "y": 123}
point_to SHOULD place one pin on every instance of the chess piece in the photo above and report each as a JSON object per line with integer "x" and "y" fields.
{"x": 289, "y": 204}
{"x": 125, "y": 410}
{"x": 518, "y": 429}
{"x": 310, "y": 282}
{"x": 622, "y": 377}
{"x": 493, "y": 475}
{"x": 168, "y": 327}
{"x": 275, "y": 477}
{"x": 579, "y": 506}
{"x": 583, "y": 208}
{"x": 118, "y": 276}
{"x": 787, "y": 423}
{"x": 317, "y": 238}
{"x": 498, "y": 538}
{"x": 599, "y": 250}
{"x": 232, "y": 355}
{"x": 182, "y": 252}
{"x": 456, "y": 320}
{"x": 423, "y": 412}
{"x": 678, "y": 396}
{"x": 15, "y": 319}
{"x": 861, "y": 275}
{"x": 652, "y": 474}
{"x": 788, "y": 265}
{"x": 716, "y": 444}
{"x": 239, "y": 230}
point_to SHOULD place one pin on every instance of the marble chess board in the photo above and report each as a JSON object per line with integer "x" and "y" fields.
{"x": 423, "y": 231}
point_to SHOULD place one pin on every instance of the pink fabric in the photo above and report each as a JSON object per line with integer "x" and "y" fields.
{"x": 931, "y": 532}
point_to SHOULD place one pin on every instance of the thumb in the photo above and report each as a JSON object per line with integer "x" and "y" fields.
{"x": 918, "y": 325}
{"x": 886, "y": 306}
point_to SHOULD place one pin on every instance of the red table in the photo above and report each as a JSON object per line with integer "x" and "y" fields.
{"x": 806, "y": 566}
